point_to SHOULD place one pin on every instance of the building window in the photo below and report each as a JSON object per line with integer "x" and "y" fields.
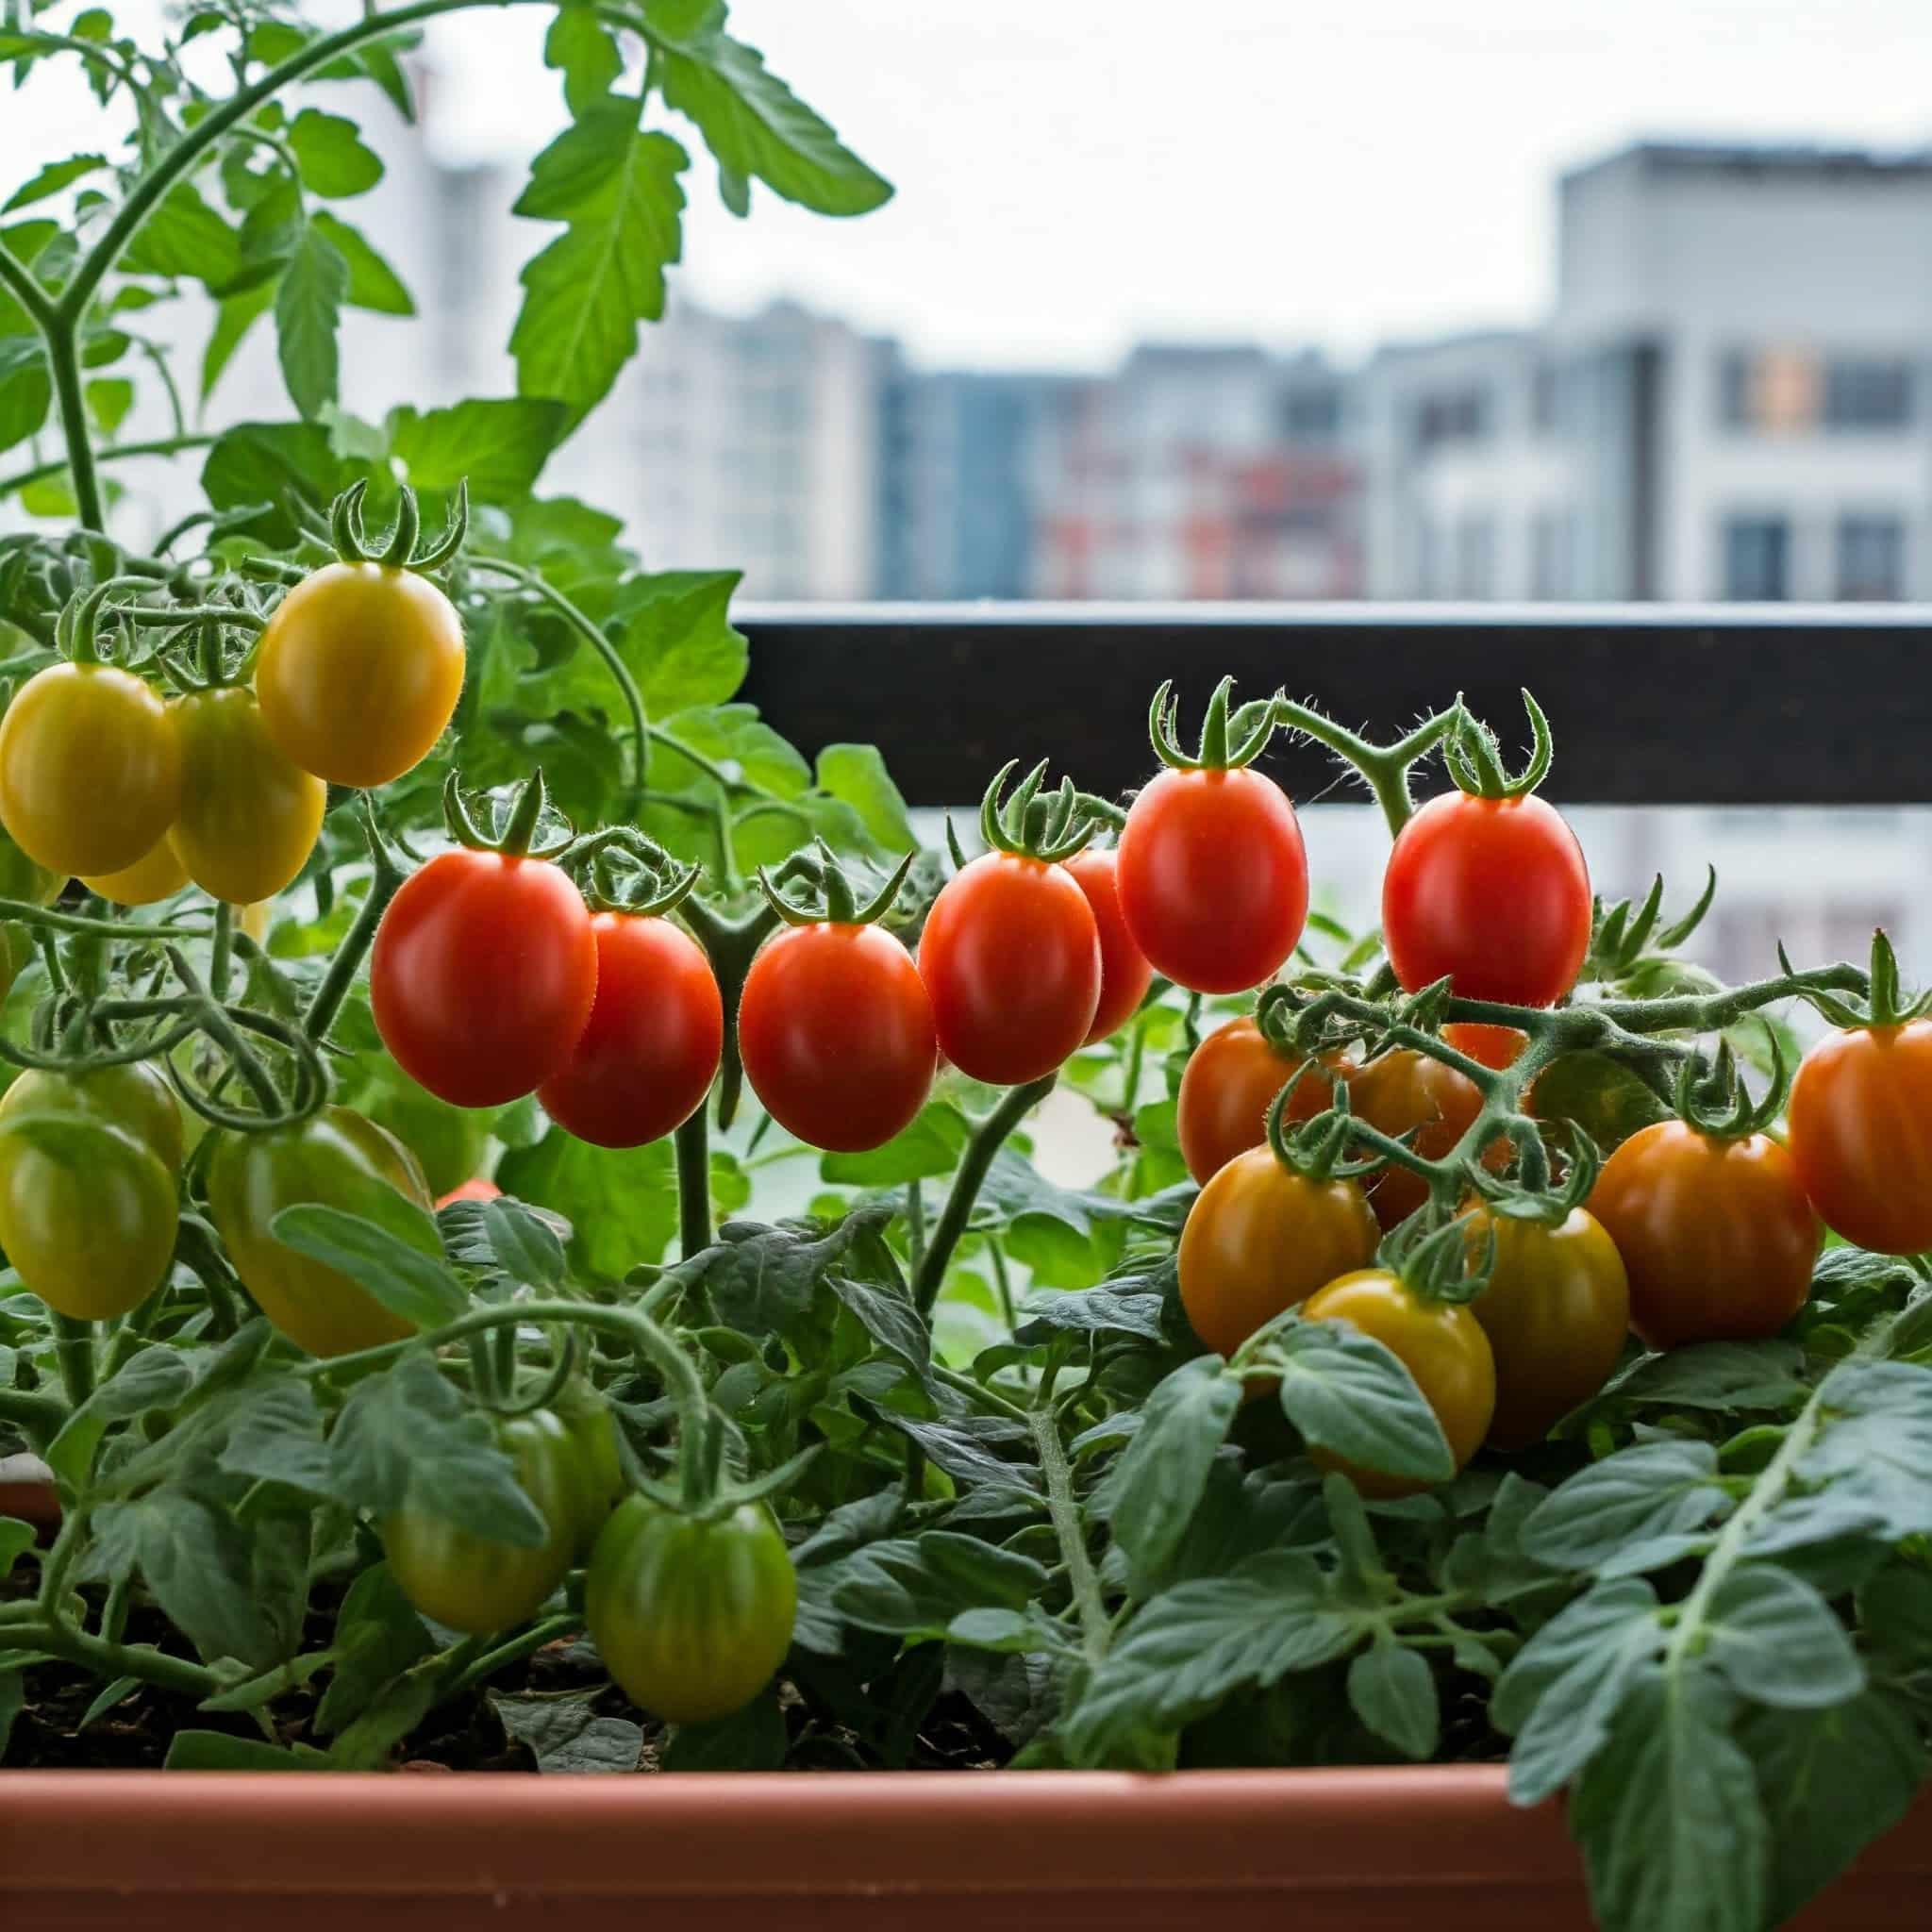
{"x": 1311, "y": 413}
{"x": 1475, "y": 556}
{"x": 1870, "y": 560}
{"x": 1460, "y": 415}
{"x": 1757, "y": 560}
{"x": 1868, "y": 393}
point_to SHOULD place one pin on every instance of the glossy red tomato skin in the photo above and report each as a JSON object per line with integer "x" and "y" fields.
{"x": 1214, "y": 877}
{"x": 1491, "y": 1046}
{"x": 1228, "y": 1087}
{"x": 647, "y": 1056}
{"x": 1859, "y": 1123}
{"x": 836, "y": 1032}
{"x": 1125, "y": 972}
{"x": 483, "y": 974}
{"x": 1491, "y": 893}
{"x": 1010, "y": 955}
{"x": 1717, "y": 1237}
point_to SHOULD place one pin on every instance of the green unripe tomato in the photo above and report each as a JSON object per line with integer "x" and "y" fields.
{"x": 593, "y": 1432}
{"x": 134, "y": 1097}
{"x": 690, "y": 1618}
{"x": 474, "y": 1583}
{"x": 337, "y": 1159}
{"x": 88, "y": 1213}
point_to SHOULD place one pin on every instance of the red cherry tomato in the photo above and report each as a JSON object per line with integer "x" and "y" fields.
{"x": 1229, "y": 1083}
{"x": 1860, "y": 1121}
{"x": 1491, "y": 1046}
{"x": 1125, "y": 973}
{"x": 1717, "y": 1235}
{"x": 836, "y": 1032}
{"x": 482, "y": 976}
{"x": 1491, "y": 893}
{"x": 477, "y": 1190}
{"x": 1214, "y": 877}
{"x": 655, "y": 1033}
{"x": 1012, "y": 957}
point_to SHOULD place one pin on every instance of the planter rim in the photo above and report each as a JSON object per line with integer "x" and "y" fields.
{"x": 777, "y": 1836}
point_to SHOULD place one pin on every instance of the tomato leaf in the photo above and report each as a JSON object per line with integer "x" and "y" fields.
{"x": 377, "y": 1637}
{"x": 406, "y": 1440}
{"x": 1158, "y": 1482}
{"x": 525, "y": 1248}
{"x": 585, "y": 294}
{"x": 52, "y": 179}
{"x": 1349, "y": 1394}
{"x": 1669, "y": 1817}
{"x": 1655, "y": 1496}
{"x": 1876, "y": 1448}
{"x": 1115, "y": 1309}
{"x": 373, "y": 283}
{"x": 276, "y": 1437}
{"x": 308, "y": 305}
{"x": 583, "y": 49}
{"x": 757, "y": 127}
{"x": 677, "y": 638}
{"x": 395, "y": 1267}
{"x": 1562, "y": 1691}
{"x": 753, "y": 1739}
{"x": 1391, "y": 1689}
{"x": 566, "y": 1735}
{"x": 915, "y": 1586}
{"x": 219, "y": 1751}
{"x": 1199, "y": 1642}
{"x": 857, "y": 776}
{"x": 1832, "y": 1782}
{"x": 331, "y": 155}
{"x": 16, "y": 1539}
{"x": 930, "y": 1147}
{"x": 184, "y": 236}
{"x": 1777, "y": 1642}
{"x": 620, "y": 1203}
{"x": 498, "y": 447}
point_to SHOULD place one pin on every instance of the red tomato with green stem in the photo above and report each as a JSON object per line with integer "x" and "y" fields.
{"x": 1487, "y": 886}
{"x": 647, "y": 1056}
{"x": 1125, "y": 972}
{"x": 1859, "y": 1117}
{"x": 834, "y": 1025}
{"x": 1228, "y": 1087}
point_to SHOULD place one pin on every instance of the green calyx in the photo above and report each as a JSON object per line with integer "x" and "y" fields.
{"x": 1528, "y": 1196}
{"x": 1474, "y": 757}
{"x": 838, "y": 904}
{"x": 1047, "y": 825}
{"x": 1885, "y": 1004}
{"x": 1438, "y": 1263}
{"x": 528, "y": 803}
{"x": 632, "y": 874}
{"x": 1228, "y": 739}
{"x": 1623, "y": 934}
{"x": 1319, "y": 1150}
{"x": 398, "y": 549}
{"x": 1712, "y": 1098}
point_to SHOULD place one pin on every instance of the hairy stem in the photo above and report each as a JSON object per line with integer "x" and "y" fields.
{"x": 694, "y": 1182}
{"x": 1096, "y": 1627}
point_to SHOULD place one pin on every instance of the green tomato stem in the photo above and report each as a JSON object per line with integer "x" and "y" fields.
{"x": 74, "y": 1351}
{"x": 692, "y": 1143}
{"x": 1096, "y": 1626}
{"x": 974, "y": 1162}
{"x": 385, "y": 881}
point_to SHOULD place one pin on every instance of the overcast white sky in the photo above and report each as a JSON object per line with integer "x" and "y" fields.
{"x": 1075, "y": 173}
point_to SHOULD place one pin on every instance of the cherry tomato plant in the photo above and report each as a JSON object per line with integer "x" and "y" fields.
{"x": 520, "y": 1195}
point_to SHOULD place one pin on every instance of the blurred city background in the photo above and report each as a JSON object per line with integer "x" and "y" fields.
{"x": 1523, "y": 300}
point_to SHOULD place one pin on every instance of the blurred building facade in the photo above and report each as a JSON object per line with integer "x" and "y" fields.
{"x": 1729, "y": 401}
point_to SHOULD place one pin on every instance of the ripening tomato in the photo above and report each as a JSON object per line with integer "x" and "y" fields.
{"x": 690, "y": 1618}
{"x": 1228, "y": 1087}
{"x": 1403, "y": 1089}
{"x": 88, "y": 1212}
{"x": 477, "y": 1584}
{"x": 360, "y": 672}
{"x": 1860, "y": 1121}
{"x": 249, "y": 818}
{"x": 1557, "y": 1310}
{"x": 1010, "y": 955}
{"x": 1258, "y": 1238}
{"x": 483, "y": 974}
{"x": 90, "y": 769}
{"x": 1490, "y": 1046}
{"x": 476, "y": 1190}
{"x": 1717, "y": 1235}
{"x": 1440, "y": 1344}
{"x": 1491, "y": 893}
{"x": 134, "y": 1096}
{"x": 157, "y": 875}
{"x": 647, "y": 1055}
{"x": 335, "y": 1159}
{"x": 1125, "y": 973}
{"x": 836, "y": 1032}
{"x": 1214, "y": 877}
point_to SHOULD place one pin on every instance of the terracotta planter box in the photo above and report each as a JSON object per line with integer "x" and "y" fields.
{"x": 1367, "y": 1850}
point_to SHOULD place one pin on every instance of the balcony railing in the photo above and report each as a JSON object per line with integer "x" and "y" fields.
{"x": 1650, "y": 704}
